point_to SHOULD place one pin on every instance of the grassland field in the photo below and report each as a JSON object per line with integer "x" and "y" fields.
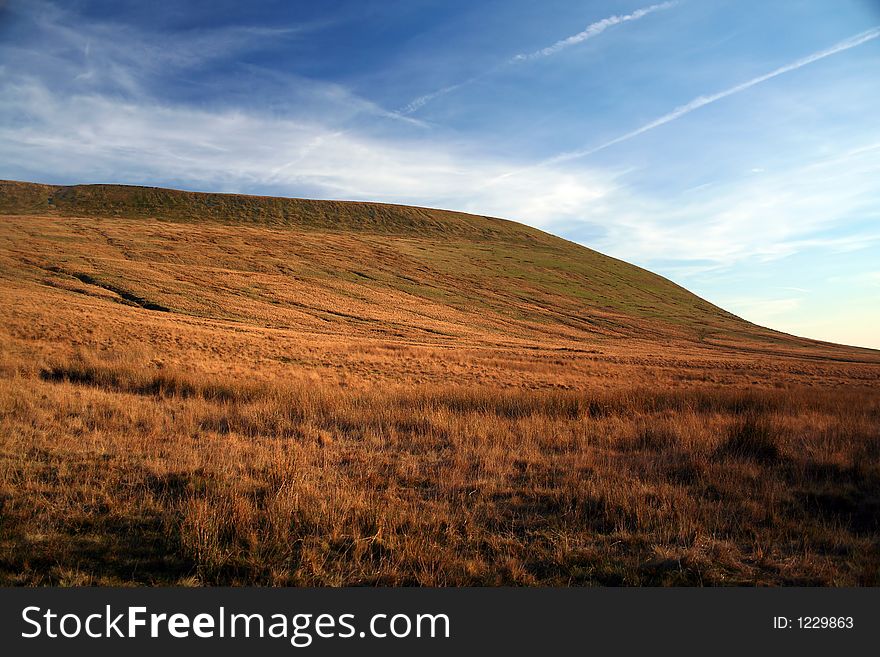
{"x": 209, "y": 389}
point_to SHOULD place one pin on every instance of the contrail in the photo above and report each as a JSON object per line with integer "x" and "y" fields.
{"x": 421, "y": 101}
{"x": 592, "y": 30}
{"x": 702, "y": 101}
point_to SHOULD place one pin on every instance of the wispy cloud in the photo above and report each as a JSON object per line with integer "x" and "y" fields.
{"x": 109, "y": 53}
{"x": 592, "y": 30}
{"x": 106, "y": 58}
{"x": 101, "y": 138}
{"x": 702, "y": 101}
{"x": 817, "y": 208}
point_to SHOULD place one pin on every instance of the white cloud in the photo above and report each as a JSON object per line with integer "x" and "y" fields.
{"x": 752, "y": 218}
{"x": 79, "y": 108}
{"x": 115, "y": 55}
{"x": 95, "y": 137}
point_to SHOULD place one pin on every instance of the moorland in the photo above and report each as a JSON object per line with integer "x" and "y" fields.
{"x": 221, "y": 389}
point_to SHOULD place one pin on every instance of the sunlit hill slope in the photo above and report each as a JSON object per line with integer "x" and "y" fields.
{"x": 348, "y": 267}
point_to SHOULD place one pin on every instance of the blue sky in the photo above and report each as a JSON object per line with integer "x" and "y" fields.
{"x": 731, "y": 145}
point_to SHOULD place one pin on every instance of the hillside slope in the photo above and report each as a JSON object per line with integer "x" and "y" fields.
{"x": 345, "y": 266}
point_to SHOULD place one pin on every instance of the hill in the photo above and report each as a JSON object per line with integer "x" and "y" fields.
{"x": 224, "y": 389}
{"x": 444, "y": 273}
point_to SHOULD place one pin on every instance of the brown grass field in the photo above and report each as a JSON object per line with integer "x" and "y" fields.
{"x": 207, "y": 389}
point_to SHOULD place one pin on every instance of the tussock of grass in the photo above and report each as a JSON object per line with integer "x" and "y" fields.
{"x": 752, "y": 437}
{"x": 83, "y": 370}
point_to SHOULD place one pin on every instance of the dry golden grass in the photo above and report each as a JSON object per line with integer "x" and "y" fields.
{"x": 113, "y": 472}
{"x": 217, "y": 404}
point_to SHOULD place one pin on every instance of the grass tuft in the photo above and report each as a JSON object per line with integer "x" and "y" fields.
{"x": 752, "y": 437}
